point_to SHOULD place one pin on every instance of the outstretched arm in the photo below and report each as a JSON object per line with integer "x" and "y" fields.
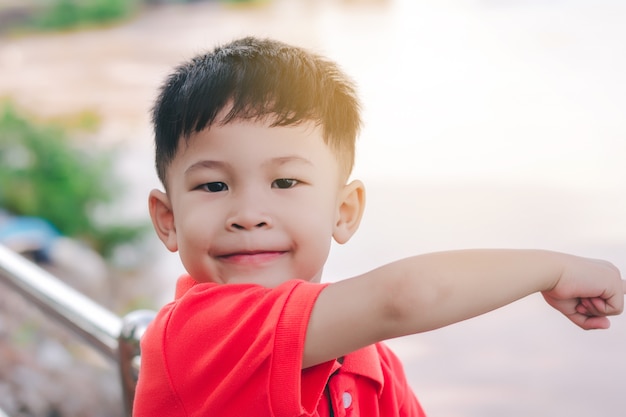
{"x": 429, "y": 291}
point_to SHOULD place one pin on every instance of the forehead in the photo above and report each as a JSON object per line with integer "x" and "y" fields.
{"x": 241, "y": 135}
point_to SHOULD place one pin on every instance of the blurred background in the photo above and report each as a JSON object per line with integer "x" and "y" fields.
{"x": 488, "y": 123}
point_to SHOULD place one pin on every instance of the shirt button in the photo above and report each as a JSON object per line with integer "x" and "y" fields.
{"x": 347, "y": 399}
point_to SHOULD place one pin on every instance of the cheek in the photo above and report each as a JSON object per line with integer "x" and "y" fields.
{"x": 315, "y": 230}
{"x": 313, "y": 251}
{"x": 196, "y": 227}
{"x": 315, "y": 218}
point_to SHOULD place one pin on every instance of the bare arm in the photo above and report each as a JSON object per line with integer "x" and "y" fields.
{"x": 429, "y": 291}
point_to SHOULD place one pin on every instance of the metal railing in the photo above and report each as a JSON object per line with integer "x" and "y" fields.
{"x": 114, "y": 337}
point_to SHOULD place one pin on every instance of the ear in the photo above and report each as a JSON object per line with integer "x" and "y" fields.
{"x": 350, "y": 211}
{"x": 163, "y": 218}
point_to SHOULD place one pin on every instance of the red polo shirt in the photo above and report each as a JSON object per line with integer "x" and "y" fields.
{"x": 236, "y": 350}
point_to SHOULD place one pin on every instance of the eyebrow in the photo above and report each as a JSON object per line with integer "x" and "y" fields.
{"x": 282, "y": 160}
{"x": 221, "y": 165}
{"x": 207, "y": 164}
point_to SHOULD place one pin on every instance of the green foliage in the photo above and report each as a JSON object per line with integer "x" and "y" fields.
{"x": 53, "y": 15}
{"x": 62, "y": 14}
{"x": 43, "y": 174}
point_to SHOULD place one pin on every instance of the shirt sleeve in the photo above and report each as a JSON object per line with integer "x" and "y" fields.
{"x": 287, "y": 359}
{"x": 239, "y": 347}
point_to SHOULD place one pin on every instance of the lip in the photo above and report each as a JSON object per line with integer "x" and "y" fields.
{"x": 252, "y": 257}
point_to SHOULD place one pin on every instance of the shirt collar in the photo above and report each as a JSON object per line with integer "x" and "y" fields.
{"x": 365, "y": 362}
{"x": 183, "y": 285}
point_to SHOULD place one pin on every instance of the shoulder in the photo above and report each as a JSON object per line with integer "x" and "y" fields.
{"x": 217, "y": 308}
{"x": 213, "y": 309}
{"x": 240, "y": 298}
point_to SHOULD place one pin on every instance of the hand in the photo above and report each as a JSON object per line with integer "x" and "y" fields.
{"x": 588, "y": 291}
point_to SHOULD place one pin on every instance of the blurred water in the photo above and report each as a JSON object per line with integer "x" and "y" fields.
{"x": 489, "y": 123}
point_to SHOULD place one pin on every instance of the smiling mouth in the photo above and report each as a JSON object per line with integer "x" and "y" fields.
{"x": 251, "y": 258}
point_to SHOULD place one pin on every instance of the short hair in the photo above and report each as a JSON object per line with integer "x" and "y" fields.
{"x": 261, "y": 79}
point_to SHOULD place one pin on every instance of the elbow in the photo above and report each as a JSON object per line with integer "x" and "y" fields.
{"x": 411, "y": 304}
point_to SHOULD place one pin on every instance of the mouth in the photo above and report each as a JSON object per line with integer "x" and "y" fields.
{"x": 251, "y": 257}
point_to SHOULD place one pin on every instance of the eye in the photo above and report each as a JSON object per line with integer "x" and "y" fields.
{"x": 283, "y": 183}
{"x": 214, "y": 187}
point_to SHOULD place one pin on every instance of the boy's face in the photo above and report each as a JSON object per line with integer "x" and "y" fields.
{"x": 249, "y": 203}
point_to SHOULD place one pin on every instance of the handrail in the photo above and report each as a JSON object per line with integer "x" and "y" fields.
{"x": 114, "y": 337}
{"x": 97, "y": 325}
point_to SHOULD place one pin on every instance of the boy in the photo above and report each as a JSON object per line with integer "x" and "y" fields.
{"x": 254, "y": 147}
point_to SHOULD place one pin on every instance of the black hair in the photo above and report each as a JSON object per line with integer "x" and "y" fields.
{"x": 259, "y": 79}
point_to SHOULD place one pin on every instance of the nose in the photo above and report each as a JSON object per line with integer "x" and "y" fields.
{"x": 244, "y": 224}
{"x": 248, "y": 214}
